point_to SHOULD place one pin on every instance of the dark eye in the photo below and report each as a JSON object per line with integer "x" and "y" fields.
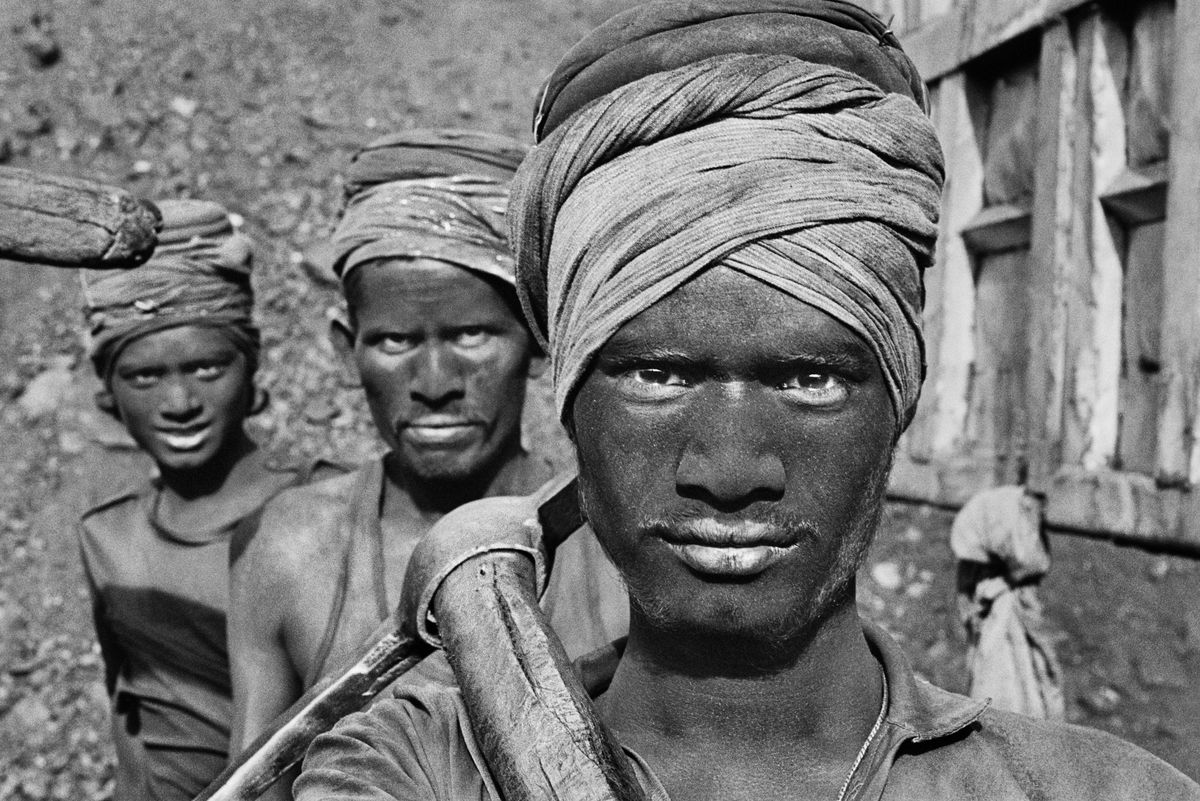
{"x": 653, "y": 383}
{"x": 211, "y": 371}
{"x": 472, "y": 337}
{"x": 141, "y": 379}
{"x": 815, "y": 388}
{"x": 394, "y": 343}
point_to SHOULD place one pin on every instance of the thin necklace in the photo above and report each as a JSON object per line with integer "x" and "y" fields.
{"x": 862, "y": 752}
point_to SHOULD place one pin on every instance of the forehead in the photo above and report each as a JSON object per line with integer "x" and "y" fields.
{"x": 182, "y": 343}
{"x": 724, "y": 315}
{"x": 424, "y": 290}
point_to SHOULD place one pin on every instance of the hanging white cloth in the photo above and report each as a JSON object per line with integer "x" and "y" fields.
{"x": 997, "y": 539}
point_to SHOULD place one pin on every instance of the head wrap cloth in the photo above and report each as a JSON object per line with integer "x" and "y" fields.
{"x": 807, "y": 177}
{"x": 430, "y": 193}
{"x": 199, "y": 275}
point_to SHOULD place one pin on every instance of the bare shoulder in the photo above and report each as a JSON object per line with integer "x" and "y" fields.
{"x": 1083, "y": 762}
{"x": 299, "y": 530}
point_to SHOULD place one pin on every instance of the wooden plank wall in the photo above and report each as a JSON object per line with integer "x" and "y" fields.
{"x": 1063, "y": 314}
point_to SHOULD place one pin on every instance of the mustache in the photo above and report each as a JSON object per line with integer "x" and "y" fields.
{"x": 761, "y": 528}
{"x": 443, "y": 417}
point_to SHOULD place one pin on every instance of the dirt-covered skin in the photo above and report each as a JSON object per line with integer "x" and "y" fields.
{"x": 258, "y": 105}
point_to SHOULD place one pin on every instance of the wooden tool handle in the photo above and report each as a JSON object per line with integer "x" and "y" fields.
{"x": 71, "y": 222}
{"x": 286, "y": 741}
{"x": 472, "y": 586}
{"x": 538, "y": 730}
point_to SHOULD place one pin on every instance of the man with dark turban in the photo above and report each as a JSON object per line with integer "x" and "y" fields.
{"x": 436, "y": 334}
{"x": 720, "y": 242}
{"x": 174, "y": 343}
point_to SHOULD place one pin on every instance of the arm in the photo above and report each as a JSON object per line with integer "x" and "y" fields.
{"x": 265, "y": 682}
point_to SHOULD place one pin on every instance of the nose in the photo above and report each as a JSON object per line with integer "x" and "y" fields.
{"x": 730, "y": 460}
{"x": 179, "y": 402}
{"x": 437, "y": 378}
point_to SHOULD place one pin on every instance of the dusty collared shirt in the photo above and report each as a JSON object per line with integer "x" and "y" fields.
{"x": 933, "y": 745}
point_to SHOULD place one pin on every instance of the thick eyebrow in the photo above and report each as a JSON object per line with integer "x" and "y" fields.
{"x": 222, "y": 358}
{"x": 856, "y": 359}
{"x": 131, "y": 369}
{"x": 618, "y": 355}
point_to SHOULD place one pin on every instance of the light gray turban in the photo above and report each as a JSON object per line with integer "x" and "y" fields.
{"x": 805, "y": 176}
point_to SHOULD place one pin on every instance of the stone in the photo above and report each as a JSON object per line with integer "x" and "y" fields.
{"x": 44, "y": 394}
{"x": 39, "y": 43}
{"x": 1159, "y": 666}
{"x": 887, "y": 575}
{"x": 1101, "y": 701}
{"x": 184, "y": 106}
{"x": 28, "y": 715}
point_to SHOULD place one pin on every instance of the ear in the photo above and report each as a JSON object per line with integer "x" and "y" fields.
{"x": 107, "y": 404}
{"x": 537, "y": 364}
{"x": 342, "y": 336}
{"x": 262, "y": 399}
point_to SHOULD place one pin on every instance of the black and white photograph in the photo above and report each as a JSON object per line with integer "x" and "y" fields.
{"x": 600, "y": 400}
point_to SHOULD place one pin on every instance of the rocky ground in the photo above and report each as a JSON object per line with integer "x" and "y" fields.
{"x": 258, "y": 105}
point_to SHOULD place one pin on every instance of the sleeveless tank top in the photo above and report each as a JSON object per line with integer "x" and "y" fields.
{"x": 584, "y": 599}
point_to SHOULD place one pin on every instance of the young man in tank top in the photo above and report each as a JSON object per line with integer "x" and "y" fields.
{"x": 174, "y": 344}
{"x": 435, "y": 331}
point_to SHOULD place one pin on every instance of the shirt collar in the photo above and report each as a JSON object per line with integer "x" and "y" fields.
{"x": 918, "y": 710}
{"x": 924, "y": 712}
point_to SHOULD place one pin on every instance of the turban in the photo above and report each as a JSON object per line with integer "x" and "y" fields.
{"x": 199, "y": 275}
{"x": 811, "y": 178}
{"x": 434, "y": 194}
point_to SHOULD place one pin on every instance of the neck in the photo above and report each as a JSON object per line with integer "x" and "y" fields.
{"x": 673, "y": 690}
{"x": 508, "y": 474}
{"x": 220, "y": 471}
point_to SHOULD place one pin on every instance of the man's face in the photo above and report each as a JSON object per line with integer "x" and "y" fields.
{"x": 183, "y": 394}
{"x": 444, "y": 362}
{"x": 733, "y": 447}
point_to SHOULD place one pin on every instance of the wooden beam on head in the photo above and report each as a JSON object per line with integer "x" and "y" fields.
{"x": 71, "y": 222}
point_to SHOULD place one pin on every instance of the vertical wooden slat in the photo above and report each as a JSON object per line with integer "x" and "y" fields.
{"x": 996, "y": 422}
{"x": 1050, "y": 251}
{"x": 1141, "y": 358}
{"x": 1094, "y": 295}
{"x": 938, "y": 429}
{"x": 1178, "y": 457}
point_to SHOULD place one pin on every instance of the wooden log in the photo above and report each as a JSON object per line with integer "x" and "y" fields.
{"x": 71, "y": 222}
{"x": 534, "y": 722}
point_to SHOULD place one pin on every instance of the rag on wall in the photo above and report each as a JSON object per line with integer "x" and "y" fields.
{"x": 997, "y": 540}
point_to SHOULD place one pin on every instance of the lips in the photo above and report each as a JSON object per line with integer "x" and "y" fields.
{"x": 438, "y": 430}
{"x": 185, "y": 439}
{"x": 740, "y": 549}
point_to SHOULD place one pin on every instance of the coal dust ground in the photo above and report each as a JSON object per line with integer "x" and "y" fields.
{"x": 259, "y": 105}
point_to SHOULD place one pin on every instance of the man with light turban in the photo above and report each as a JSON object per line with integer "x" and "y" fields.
{"x": 175, "y": 345}
{"x": 436, "y": 335}
{"x": 720, "y": 240}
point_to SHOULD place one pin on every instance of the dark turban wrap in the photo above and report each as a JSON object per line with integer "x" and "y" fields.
{"x": 807, "y": 177}
{"x": 434, "y": 194}
{"x": 199, "y": 275}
